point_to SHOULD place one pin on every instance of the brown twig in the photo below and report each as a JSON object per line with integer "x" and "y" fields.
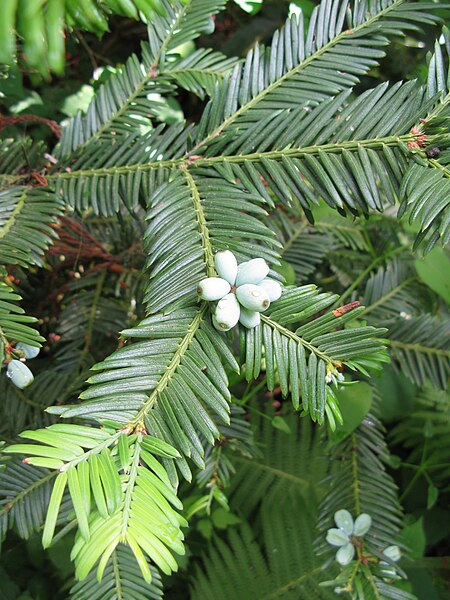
{"x": 6, "y": 121}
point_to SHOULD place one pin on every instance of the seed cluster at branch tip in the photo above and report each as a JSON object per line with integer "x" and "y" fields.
{"x": 348, "y": 534}
{"x": 17, "y": 371}
{"x": 242, "y": 291}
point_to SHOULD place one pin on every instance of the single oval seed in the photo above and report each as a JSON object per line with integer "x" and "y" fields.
{"x": 253, "y": 297}
{"x": 213, "y": 288}
{"x": 20, "y": 374}
{"x": 29, "y": 351}
{"x": 253, "y": 271}
{"x": 272, "y": 287}
{"x": 227, "y": 312}
{"x": 249, "y": 318}
{"x": 226, "y": 265}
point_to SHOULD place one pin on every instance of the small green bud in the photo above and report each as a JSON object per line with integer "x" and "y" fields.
{"x": 249, "y": 318}
{"x": 253, "y": 297}
{"x": 29, "y": 351}
{"x": 227, "y": 313}
{"x": 213, "y": 288}
{"x": 272, "y": 287}
{"x": 252, "y": 271}
{"x": 20, "y": 374}
{"x": 226, "y": 265}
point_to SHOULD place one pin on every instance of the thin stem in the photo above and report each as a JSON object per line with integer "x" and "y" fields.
{"x": 332, "y": 148}
{"x": 364, "y": 274}
{"x": 388, "y": 296}
{"x": 89, "y": 52}
{"x": 418, "y": 348}
{"x": 276, "y": 472}
{"x": 202, "y": 225}
{"x": 215, "y": 479}
{"x": 353, "y": 575}
{"x": 296, "y": 234}
{"x": 17, "y": 499}
{"x": 130, "y": 484}
{"x": 372, "y": 252}
{"x": 123, "y": 170}
{"x": 118, "y": 588}
{"x": 378, "y": 143}
{"x": 416, "y": 475}
{"x": 198, "y": 71}
{"x": 293, "y": 336}
{"x": 253, "y": 390}
{"x": 370, "y": 578}
{"x": 258, "y": 412}
{"x": 292, "y": 585}
{"x": 437, "y": 165}
{"x": 173, "y": 28}
{"x": 411, "y": 483}
{"x": 73, "y": 524}
{"x": 105, "y": 444}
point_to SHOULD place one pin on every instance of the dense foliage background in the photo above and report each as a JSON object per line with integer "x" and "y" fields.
{"x": 259, "y": 512}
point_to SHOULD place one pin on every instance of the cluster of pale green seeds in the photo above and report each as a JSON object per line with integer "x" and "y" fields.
{"x": 348, "y": 534}
{"x": 242, "y": 292}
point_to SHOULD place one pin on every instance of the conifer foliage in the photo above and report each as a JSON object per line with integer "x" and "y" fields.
{"x": 282, "y": 133}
